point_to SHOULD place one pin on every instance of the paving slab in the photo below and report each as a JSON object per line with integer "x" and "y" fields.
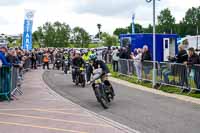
{"x": 41, "y": 110}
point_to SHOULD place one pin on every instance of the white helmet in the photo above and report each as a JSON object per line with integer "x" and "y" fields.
{"x": 78, "y": 52}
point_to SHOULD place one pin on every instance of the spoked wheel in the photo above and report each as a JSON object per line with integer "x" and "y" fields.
{"x": 97, "y": 94}
{"x": 65, "y": 71}
{"x": 83, "y": 84}
{"x": 104, "y": 103}
{"x": 77, "y": 80}
{"x": 83, "y": 81}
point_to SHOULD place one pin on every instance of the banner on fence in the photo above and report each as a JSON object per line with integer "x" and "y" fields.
{"x": 27, "y": 34}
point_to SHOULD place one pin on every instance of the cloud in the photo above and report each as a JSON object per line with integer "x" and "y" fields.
{"x": 3, "y": 21}
{"x": 86, "y": 13}
{"x": 108, "y": 7}
{"x": 10, "y": 2}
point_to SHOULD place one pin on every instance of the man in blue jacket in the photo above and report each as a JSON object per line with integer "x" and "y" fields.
{"x": 3, "y": 50}
{"x": 5, "y": 77}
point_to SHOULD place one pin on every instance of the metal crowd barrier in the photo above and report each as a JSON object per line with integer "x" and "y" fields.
{"x": 15, "y": 81}
{"x": 5, "y": 82}
{"x": 9, "y": 82}
{"x": 107, "y": 58}
{"x": 171, "y": 74}
{"x": 136, "y": 69}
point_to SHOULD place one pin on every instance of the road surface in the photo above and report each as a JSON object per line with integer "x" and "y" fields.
{"x": 142, "y": 111}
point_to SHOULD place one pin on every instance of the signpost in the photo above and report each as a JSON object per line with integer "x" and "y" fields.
{"x": 154, "y": 40}
{"x": 27, "y": 34}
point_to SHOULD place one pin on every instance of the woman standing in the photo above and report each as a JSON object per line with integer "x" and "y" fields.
{"x": 138, "y": 64}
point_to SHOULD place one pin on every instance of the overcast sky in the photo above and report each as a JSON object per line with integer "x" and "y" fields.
{"x": 86, "y": 13}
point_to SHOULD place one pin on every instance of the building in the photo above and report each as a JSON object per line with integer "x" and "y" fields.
{"x": 166, "y": 44}
{"x": 3, "y": 40}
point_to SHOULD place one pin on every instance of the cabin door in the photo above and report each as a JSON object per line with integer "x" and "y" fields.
{"x": 166, "y": 48}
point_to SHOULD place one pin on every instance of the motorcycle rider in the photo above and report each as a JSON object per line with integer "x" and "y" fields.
{"x": 77, "y": 62}
{"x": 96, "y": 64}
{"x": 66, "y": 57}
{"x": 58, "y": 56}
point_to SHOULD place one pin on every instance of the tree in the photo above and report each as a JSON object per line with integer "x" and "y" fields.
{"x": 138, "y": 28}
{"x": 149, "y": 29}
{"x": 38, "y": 36}
{"x": 109, "y": 40}
{"x": 119, "y": 31}
{"x": 192, "y": 16}
{"x": 52, "y": 35}
{"x": 62, "y": 34}
{"x": 190, "y": 22}
{"x": 81, "y": 37}
{"x": 165, "y": 21}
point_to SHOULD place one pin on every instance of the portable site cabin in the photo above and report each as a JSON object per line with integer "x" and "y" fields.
{"x": 166, "y": 44}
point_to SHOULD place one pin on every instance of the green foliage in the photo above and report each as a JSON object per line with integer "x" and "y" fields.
{"x": 109, "y": 40}
{"x": 138, "y": 28}
{"x": 52, "y": 35}
{"x": 80, "y": 37}
{"x": 119, "y": 31}
{"x": 165, "y": 21}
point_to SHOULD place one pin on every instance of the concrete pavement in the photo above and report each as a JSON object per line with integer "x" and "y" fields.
{"x": 40, "y": 110}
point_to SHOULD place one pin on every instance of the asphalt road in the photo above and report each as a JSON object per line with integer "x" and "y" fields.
{"x": 142, "y": 111}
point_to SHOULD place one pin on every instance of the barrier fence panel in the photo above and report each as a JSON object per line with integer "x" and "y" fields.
{"x": 141, "y": 70}
{"x": 147, "y": 70}
{"x": 175, "y": 74}
{"x": 5, "y": 82}
{"x": 123, "y": 66}
{"x": 195, "y": 76}
{"x": 182, "y": 76}
{"x": 15, "y": 82}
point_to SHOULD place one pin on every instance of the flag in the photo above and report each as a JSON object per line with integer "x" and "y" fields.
{"x": 133, "y": 24}
{"x": 27, "y": 34}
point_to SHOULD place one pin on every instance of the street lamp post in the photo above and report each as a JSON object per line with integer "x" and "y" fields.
{"x": 154, "y": 40}
{"x": 197, "y": 37}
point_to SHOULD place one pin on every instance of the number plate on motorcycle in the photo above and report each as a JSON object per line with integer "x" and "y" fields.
{"x": 98, "y": 81}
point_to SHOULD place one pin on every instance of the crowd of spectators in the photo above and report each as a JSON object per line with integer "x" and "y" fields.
{"x": 181, "y": 65}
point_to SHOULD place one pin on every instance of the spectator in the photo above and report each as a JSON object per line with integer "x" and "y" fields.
{"x": 138, "y": 65}
{"x": 46, "y": 60}
{"x": 33, "y": 60}
{"x": 123, "y": 64}
{"x": 193, "y": 57}
{"x": 146, "y": 56}
{"x": 12, "y": 57}
{"x": 3, "y": 51}
{"x": 180, "y": 58}
{"x": 115, "y": 59}
{"x": 124, "y": 54}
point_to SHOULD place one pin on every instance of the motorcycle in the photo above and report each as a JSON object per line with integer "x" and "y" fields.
{"x": 102, "y": 88}
{"x": 58, "y": 64}
{"x": 80, "y": 77}
{"x": 66, "y": 66}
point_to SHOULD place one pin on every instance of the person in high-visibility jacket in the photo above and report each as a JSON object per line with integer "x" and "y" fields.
{"x": 86, "y": 58}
